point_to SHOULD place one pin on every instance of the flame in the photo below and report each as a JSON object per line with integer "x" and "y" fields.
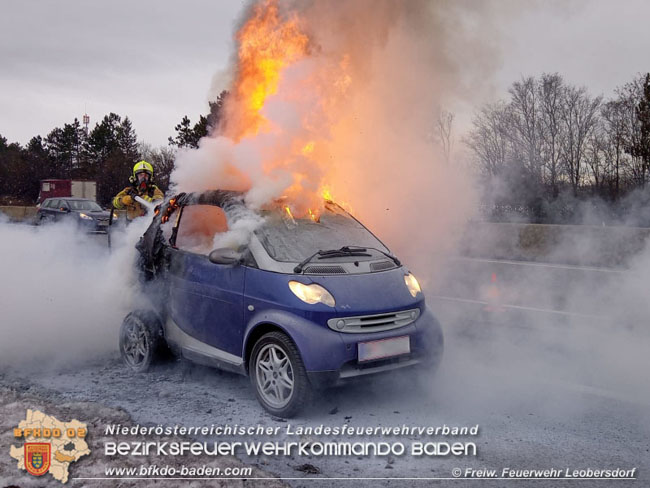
{"x": 266, "y": 46}
{"x": 314, "y": 216}
{"x": 271, "y": 41}
{"x": 327, "y": 195}
{"x": 308, "y": 148}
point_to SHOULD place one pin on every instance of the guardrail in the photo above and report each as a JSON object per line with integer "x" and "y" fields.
{"x": 18, "y": 214}
{"x": 580, "y": 245}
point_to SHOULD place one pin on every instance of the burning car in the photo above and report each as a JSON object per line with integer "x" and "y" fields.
{"x": 305, "y": 304}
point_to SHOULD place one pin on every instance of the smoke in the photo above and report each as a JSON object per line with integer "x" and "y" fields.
{"x": 349, "y": 106}
{"x": 548, "y": 338}
{"x": 64, "y": 294}
{"x": 353, "y": 110}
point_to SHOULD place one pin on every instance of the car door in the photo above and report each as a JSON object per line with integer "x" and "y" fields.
{"x": 206, "y": 299}
{"x": 50, "y": 209}
{"x": 62, "y": 210}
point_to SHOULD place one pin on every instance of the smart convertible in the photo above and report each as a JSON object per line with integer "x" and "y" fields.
{"x": 305, "y": 304}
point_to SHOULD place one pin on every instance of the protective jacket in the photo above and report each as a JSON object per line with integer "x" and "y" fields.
{"x": 124, "y": 200}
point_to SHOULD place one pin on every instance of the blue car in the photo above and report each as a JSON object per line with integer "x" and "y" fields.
{"x": 297, "y": 304}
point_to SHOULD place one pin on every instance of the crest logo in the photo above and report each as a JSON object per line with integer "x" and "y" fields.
{"x": 37, "y": 457}
{"x": 49, "y": 445}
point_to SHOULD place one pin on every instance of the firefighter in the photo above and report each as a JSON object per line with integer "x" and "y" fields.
{"x": 141, "y": 186}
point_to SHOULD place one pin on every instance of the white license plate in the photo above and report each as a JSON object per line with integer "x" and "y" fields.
{"x": 384, "y": 348}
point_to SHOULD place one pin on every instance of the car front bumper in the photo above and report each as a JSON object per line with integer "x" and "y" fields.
{"x": 342, "y": 349}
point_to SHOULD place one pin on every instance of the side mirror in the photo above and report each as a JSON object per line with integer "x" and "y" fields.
{"x": 63, "y": 209}
{"x": 225, "y": 255}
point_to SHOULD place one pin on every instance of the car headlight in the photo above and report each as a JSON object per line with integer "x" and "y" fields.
{"x": 312, "y": 293}
{"x": 85, "y": 217}
{"x": 412, "y": 284}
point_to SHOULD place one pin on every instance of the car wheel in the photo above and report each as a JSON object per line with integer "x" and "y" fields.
{"x": 278, "y": 375}
{"x": 141, "y": 340}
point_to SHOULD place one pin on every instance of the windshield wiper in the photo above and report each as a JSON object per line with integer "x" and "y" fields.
{"x": 388, "y": 255}
{"x": 333, "y": 253}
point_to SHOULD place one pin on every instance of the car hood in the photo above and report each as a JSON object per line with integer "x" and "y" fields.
{"x": 369, "y": 293}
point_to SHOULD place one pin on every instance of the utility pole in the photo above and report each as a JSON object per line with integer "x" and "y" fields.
{"x": 86, "y": 120}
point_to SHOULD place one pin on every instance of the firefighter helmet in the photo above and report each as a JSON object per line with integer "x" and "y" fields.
{"x": 141, "y": 166}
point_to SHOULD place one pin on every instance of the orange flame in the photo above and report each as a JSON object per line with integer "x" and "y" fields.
{"x": 266, "y": 46}
{"x": 313, "y": 215}
{"x": 270, "y": 42}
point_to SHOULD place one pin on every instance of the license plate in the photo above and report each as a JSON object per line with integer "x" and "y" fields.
{"x": 384, "y": 348}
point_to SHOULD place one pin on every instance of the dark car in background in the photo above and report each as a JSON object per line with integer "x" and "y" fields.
{"x": 87, "y": 213}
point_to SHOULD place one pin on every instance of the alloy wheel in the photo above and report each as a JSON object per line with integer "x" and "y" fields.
{"x": 274, "y": 374}
{"x": 136, "y": 344}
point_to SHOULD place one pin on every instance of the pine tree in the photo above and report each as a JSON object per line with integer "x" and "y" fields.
{"x": 188, "y": 135}
{"x": 64, "y": 147}
{"x": 112, "y": 147}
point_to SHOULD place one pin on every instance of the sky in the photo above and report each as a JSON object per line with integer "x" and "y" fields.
{"x": 156, "y": 61}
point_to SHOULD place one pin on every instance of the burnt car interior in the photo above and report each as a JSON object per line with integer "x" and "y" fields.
{"x": 186, "y": 222}
{"x": 198, "y": 227}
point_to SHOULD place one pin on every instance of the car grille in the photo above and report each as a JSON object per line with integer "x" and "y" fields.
{"x": 374, "y": 323}
{"x": 382, "y": 265}
{"x": 324, "y": 270}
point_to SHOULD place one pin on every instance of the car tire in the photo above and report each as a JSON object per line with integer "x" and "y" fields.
{"x": 141, "y": 340}
{"x": 278, "y": 375}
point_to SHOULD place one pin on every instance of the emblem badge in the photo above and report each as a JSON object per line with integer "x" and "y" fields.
{"x": 37, "y": 458}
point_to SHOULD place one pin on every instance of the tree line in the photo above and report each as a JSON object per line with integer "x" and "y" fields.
{"x": 105, "y": 154}
{"x": 541, "y": 153}
{"x": 552, "y": 146}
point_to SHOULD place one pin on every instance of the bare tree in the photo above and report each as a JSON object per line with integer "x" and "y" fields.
{"x": 578, "y": 115}
{"x": 629, "y": 95}
{"x": 489, "y": 139}
{"x": 613, "y": 114}
{"x": 443, "y": 132}
{"x": 550, "y": 134}
{"x": 550, "y": 99}
{"x": 524, "y": 117}
{"x": 598, "y": 156}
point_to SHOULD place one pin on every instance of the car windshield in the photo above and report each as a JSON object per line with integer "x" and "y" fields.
{"x": 292, "y": 240}
{"x": 84, "y": 205}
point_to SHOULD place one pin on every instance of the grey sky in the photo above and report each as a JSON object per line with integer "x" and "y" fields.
{"x": 155, "y": 60}
{"x": 150, "y": 60}
{"x": 601, "y": 44}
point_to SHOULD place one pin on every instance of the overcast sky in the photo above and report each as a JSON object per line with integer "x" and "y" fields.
{"x": 155, "y": 60}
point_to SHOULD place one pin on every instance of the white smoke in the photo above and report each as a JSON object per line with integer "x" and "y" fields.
{"x": 64, "y": 293}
